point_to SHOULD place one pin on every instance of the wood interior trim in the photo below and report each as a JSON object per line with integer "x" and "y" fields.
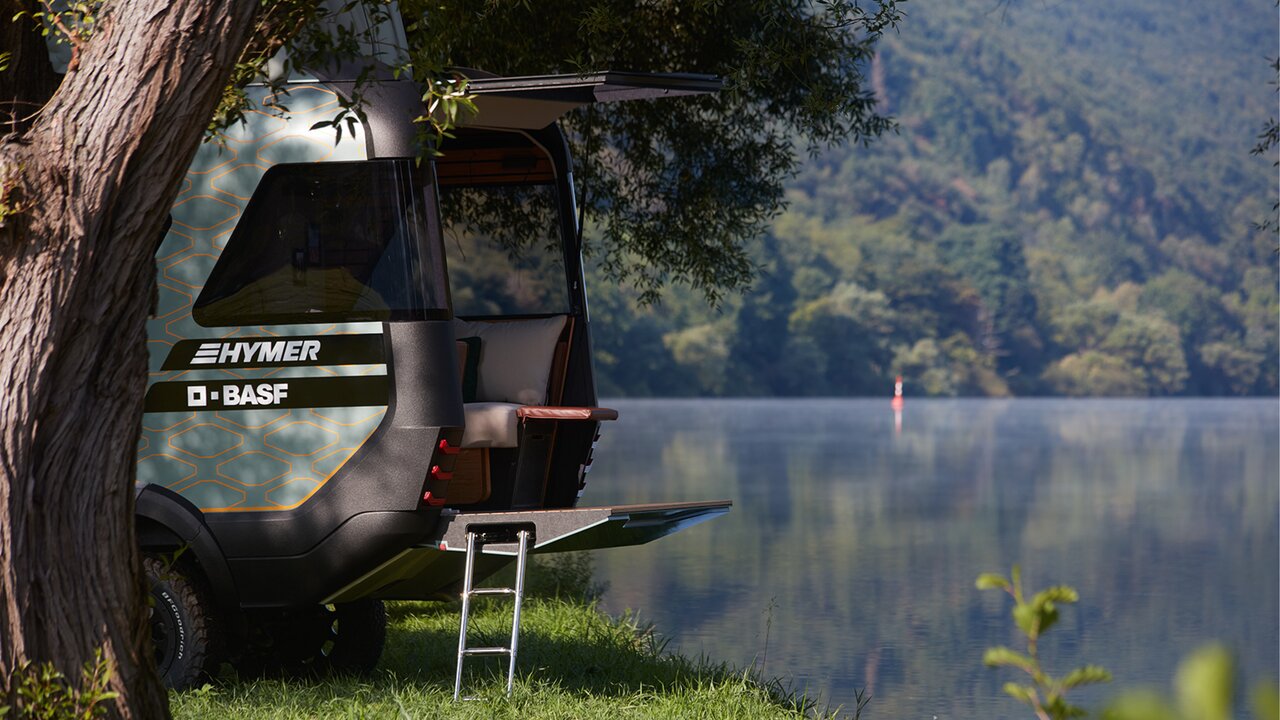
{"x": 544, "y": 412}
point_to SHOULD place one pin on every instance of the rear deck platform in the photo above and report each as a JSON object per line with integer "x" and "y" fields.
{"x": 437, "y": 564}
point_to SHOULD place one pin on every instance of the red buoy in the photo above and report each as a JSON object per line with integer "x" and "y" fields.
{"x": 897, "y": 394}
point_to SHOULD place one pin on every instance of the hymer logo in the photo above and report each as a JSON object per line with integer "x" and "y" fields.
{"x": 256, "y": 351}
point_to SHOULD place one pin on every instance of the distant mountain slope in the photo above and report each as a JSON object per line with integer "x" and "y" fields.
{"x": 1067, "y": 208}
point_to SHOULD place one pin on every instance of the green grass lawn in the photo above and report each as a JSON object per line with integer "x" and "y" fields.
{"x": 574, "y": 662}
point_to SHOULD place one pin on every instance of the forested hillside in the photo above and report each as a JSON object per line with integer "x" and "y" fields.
{"x": 1068, "y": 207}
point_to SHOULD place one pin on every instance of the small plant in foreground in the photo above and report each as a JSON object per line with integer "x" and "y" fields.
{"x": 1045, "y": 694}
{"x": 1203, "y": 689}
{"x": 45, "y": 694}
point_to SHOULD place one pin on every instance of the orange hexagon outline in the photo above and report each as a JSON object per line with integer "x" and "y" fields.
{"x": 307, "y": 138}
{"x": 213, "y": 181}
{"x": 194, "y": 469}
{"x": 267, "y": 442}
{"x": 380, "y": 412}
{"x": 269, "y": 100}
{"x": 188, "y": 295}
{"x": 190, "y": 416}
{"x": 173, "y": 265}
{"x": 218, "y": 224}
{"x": 244, "y": 495}
{"x": 246, "y": 140}
{"x": 235, "y": 155}
{"x": 239, "y": 440}
{"x": 191, "y": 243}
{"x": 267, "y": 495}
{"x": 288, "y": 469}
{"x": 348, "y": 450}
{"x": 303, "y": 500}
{"x": 224, "y": 418}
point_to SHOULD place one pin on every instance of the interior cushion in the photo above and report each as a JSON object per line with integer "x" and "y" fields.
{"x": 515, "y": 357}
{"x": 469, "y": 366}
{"x": 490, "y": 425}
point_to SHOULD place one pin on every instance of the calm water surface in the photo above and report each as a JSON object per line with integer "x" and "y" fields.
{"x": 849, "y": 558}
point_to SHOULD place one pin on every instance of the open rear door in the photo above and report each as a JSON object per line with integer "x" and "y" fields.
{"x": 535, "y": 101}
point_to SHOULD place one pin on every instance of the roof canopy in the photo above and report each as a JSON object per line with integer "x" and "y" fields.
{"x": 535, "y": 101}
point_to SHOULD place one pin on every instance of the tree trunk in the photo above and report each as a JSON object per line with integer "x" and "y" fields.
{"x": 98, "y": 170}
{"x": 29, "y": 80}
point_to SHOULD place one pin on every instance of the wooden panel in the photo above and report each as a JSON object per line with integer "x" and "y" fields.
{"x": 502, "y": 166}
{"x": 470, "y": 482}
{"x": 542, "y": 412}
{"x": 560, "y": 364}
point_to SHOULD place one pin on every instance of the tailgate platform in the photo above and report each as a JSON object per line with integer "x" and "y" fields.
{"x": 425, "y": 571}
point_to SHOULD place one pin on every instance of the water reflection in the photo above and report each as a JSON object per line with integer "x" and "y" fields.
{"x": 857, "y": 546}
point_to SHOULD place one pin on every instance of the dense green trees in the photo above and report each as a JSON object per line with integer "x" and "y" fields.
{"x": 674, "y": 188}
{"x": 1069, "y": 206}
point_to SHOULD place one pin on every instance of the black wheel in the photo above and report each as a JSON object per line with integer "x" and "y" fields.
{"x": 356, "y": 636}
{"x": 181, "y": 624}
{"x": 344, "y": 638}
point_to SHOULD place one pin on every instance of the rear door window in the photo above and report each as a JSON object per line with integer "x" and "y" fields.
{"x": 504, "y": 250}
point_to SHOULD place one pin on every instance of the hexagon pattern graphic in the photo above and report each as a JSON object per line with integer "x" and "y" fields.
{"x": 245, "y": 460}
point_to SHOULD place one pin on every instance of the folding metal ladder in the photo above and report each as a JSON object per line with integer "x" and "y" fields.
{"x": 475, "y": 540}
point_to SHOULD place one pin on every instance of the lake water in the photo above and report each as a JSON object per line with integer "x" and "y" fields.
{"x": 849, "y": 558}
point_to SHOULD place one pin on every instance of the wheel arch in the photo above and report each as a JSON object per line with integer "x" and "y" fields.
{"x": 164, "y": 521}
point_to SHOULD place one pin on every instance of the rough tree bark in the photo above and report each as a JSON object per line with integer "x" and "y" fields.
{"x": 98, "y": 169}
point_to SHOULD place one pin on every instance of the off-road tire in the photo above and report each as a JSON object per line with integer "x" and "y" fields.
{"x": 181, "y": 623}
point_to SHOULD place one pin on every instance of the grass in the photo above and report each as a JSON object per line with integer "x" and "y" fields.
{"x": 574, "y": 662}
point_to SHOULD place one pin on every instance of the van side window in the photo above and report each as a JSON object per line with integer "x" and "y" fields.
{"x": 326, "y": 242}
{"x": 504, "y": 250}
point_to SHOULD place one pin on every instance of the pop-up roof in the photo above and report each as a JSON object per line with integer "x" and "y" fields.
{"x": 535, "y": 101}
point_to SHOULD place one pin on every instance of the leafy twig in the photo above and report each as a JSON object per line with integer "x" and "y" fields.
{"x": 1045, "y": 695}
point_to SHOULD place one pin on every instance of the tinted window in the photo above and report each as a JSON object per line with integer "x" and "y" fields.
{"x": 322, "y": 242}
{"x": 504, "y": 250}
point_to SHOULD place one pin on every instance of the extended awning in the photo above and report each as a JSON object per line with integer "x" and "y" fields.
{"x": 535, "y": 101}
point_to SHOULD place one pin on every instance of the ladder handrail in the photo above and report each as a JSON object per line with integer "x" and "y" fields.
{"x": 468, "y": 591}
{"x": 515, "y": 615}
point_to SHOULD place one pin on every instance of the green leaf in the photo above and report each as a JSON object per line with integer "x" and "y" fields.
{"x": 1060, "y": 709}
{"x": 1087, "y": 675}
{"x": 1026, "y": 618}
{"x": 1266, "y": 702}
{"x": 1057, "y": 593}
{"x": 1000, "y": 656}
{"x": 1048, "y": 617}
{"x": 1025, "y": 693}
{"x": 1138, "y": 705}
{"x": 1204, "y": 682}
{"x": 992, "y": 581}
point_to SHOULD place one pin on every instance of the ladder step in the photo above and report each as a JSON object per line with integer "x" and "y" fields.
{"x": 492, "y": 591}
{"x": 487, "y": 651}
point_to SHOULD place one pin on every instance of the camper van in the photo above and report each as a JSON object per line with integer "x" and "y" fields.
{"x": 356, "y": 374}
